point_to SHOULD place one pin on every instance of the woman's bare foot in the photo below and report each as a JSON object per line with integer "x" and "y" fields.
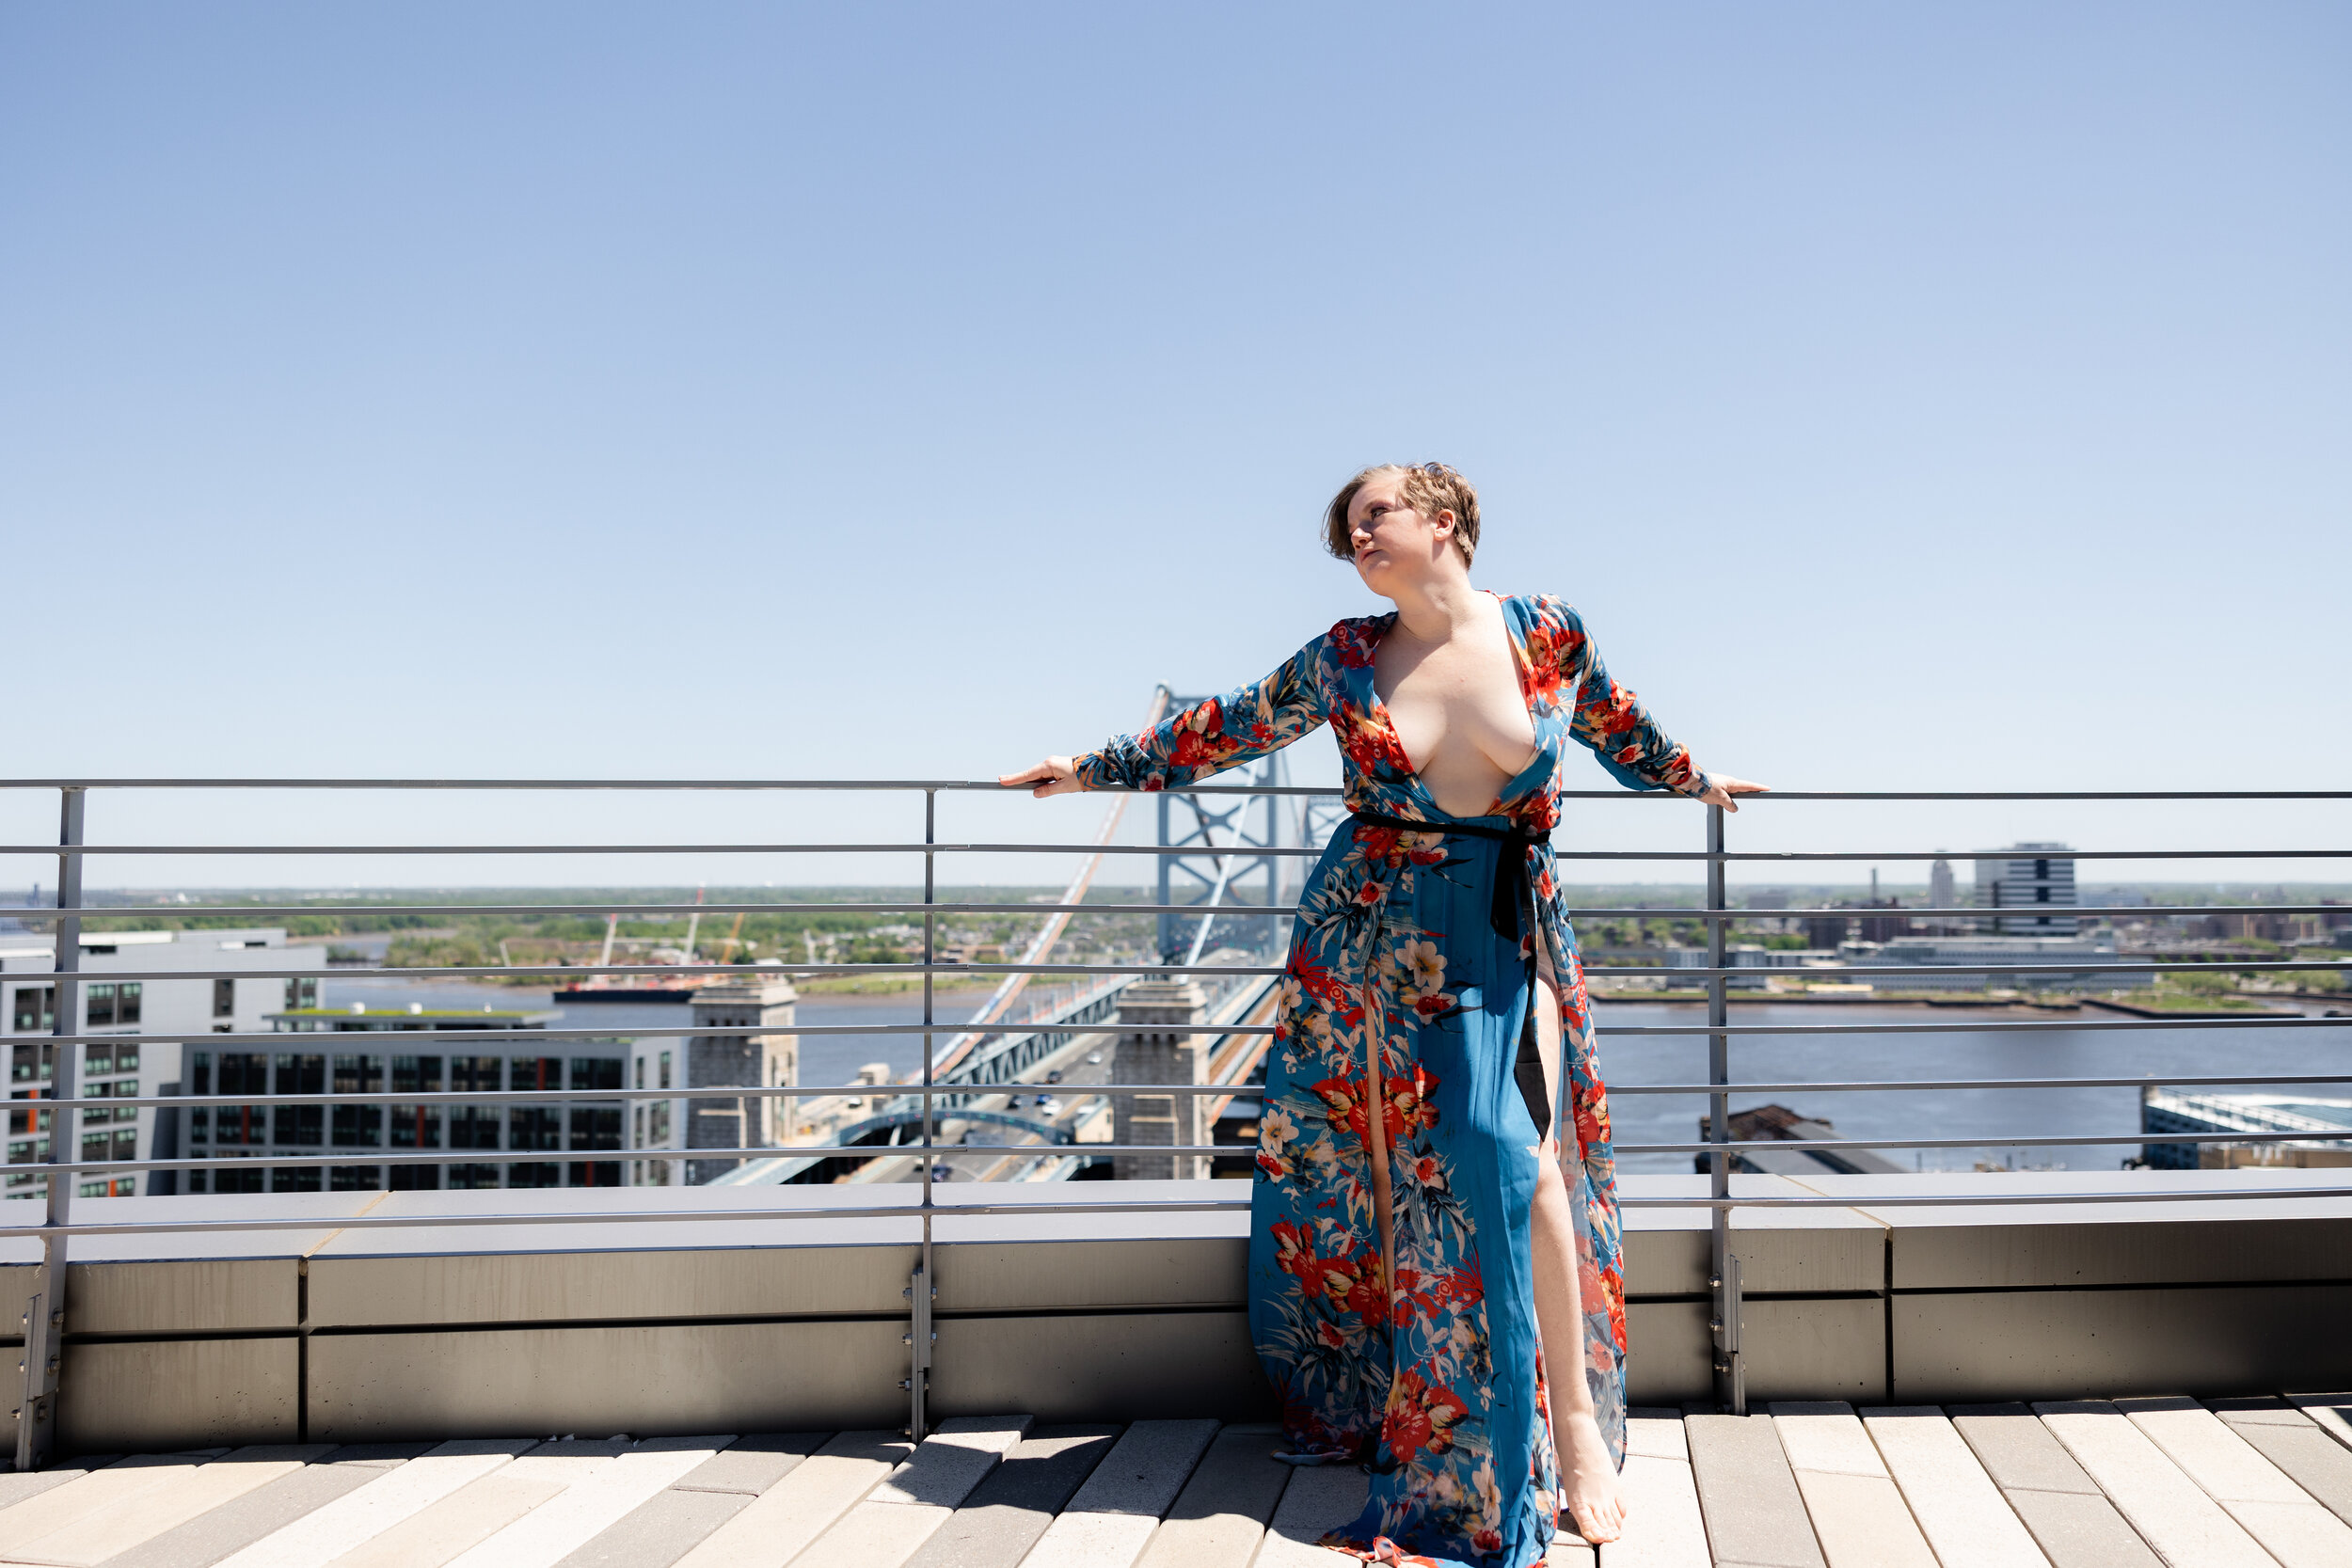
{"x": 1590, "y": 1494}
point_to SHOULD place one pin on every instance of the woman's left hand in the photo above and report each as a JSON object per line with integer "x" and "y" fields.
{"x": 1726, "y": 786}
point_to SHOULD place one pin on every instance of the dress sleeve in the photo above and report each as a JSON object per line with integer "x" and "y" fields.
{"x": 1611, "y": 720}
{"x": 1211, "y": 736}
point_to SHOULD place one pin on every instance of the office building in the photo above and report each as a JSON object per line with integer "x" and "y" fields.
{"x": 703, "y": 1062}
{"x": 363, "y": 1060}
{"x": 2036, "y": 879}
{"x": 130, "y": 1063}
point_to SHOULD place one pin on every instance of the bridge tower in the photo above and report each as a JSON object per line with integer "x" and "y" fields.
{"x": 1237, "y": 824}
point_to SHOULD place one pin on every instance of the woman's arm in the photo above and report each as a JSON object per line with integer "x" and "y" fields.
{"x": 1205, "y": 739}
{"x": 1611, "y": 720}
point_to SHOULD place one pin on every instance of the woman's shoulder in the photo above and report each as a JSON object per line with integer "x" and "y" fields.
{"x": 1354, "y": 641}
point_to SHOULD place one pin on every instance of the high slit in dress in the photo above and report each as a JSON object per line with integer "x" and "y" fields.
{"x": 1420, "y": 931}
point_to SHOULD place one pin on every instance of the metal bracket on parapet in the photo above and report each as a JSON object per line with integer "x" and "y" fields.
{"x": 1731, "y": 1377}
{"x": 920, "y": 1337}
{"x": 36, "y": 1416}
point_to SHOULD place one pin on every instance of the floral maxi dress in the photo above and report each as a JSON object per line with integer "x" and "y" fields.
{"x": 1418, "y": 931}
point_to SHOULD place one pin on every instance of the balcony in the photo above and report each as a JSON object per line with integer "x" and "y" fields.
{"x": 320, "y": 1345}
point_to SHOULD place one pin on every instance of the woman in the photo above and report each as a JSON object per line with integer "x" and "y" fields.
{"x": 1407, "y": 1270}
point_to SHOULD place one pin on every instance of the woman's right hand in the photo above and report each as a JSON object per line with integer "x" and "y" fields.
{"x": 1054, "y": 776}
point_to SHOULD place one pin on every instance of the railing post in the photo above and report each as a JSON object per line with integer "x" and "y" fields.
{"x": 921, "y": 1291}
{"x": 44, "y": 1317}
{"x": 1724, "y": 1273}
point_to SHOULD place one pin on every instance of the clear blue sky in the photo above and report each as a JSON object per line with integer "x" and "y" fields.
{"x": 1920, "y": 396}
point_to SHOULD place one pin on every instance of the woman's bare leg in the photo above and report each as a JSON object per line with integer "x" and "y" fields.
{"x": 1589, "y": 1488}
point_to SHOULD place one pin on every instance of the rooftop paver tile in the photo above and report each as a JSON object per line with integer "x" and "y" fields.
{"x": 754, "y": 1463}
{"x": 2333, "y": 1411}
{"x": 440, "y": 1531}
{"x": 1320, "y": 1498}
{"x": 2058, "y": 1502}
{"x": 1756, "y": 1517}
{"x": 918, "y": 1498}
{"x": 602, "y": 1492}
{"x": 948, "y": 1464}
{"x": 782, "y": 1522}
{"x": 1220, "y": 1517}
{"x": 18, "y": 1485}
{"x": 210, "y": 1536}
{"x": 2291, "y": 1525}
{"x": 1145, "y": 1469}
{"x": 1007, "y": 1511}
{"x": 1859, "y": 1516}
{"x": 1957, "y": 1507}
{"x": 658, "y": 1533}
{"x": 1112, "y": 1516}
{"x": 116, "y": 1489}
{"x": 2169, "y": 1510}
{"x": 2294, "y": 1443}
{"x": 378, "y": 1505}
{"x": 1663, "y": 1526}
{"x": 190, "y": 1491}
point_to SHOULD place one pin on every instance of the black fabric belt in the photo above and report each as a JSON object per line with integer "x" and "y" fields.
{"x": 1512, "y": 888}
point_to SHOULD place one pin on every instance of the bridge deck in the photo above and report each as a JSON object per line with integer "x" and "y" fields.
{"x": 2091, "y": 1485}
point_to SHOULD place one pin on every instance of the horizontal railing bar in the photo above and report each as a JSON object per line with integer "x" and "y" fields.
{"x": 2047, "y": 1141}
{"x": 1251, "y": 851}
{"x": 993, "y": 787}
{"x": 401, "y": 1222}
{"x": 492, "y": 972}
{"x": 1643, "y": 911}
{"x": 380, "y": 1155}
{"x": 2207, "y": 1021}
{"x": 949, "y": 1210}
{"x": 597, "y": 911}
{"x": 281, "y": 1038}
{"x": 1873, "y": 1085}
{"x": 944, "y": 1088}
{"x": 1872, "y": 971}
{"x": 2002, "y": 1200}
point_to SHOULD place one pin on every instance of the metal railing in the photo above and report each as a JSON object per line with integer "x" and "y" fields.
{"x": 45, "y": 1321}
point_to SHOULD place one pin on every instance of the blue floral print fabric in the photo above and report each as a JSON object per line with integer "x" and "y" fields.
{"x": 1432, "y": 1379}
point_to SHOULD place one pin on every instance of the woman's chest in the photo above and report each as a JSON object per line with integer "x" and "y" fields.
{"x": 1461, "y": 698}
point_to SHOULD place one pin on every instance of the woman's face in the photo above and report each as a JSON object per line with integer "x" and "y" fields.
{"x": 1395, "y": 546}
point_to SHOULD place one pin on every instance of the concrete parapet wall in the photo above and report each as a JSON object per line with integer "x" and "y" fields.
{"x": 737, "y": 1322}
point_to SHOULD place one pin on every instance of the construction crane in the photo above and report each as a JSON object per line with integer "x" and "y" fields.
{"x": 726, "y": 951}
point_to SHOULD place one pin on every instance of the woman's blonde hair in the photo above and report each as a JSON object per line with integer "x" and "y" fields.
{"x": 1429, "y": 488}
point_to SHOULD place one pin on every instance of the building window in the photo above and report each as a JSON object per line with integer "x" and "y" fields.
{"x": 465, "y": 1177}
{"x": 199, "y": 1127}
{"x": 640, "y": 1073}
{"x": 534, "y": 1127}
{"x": 417, "y": 1075}
{"x": 294, "y": 1178}
{"x": 359, "y": 1126}
{"x": 415, "y": 1179}
{"x": 126, "y": 1060}
{"x": 469, "y": 1074}
{"x": 596, "y": 1073}
{"x": 355, "y": 1179}
{"x": 665, "y": 1069}
{"x": 34, "y": 1009}
{"x": 299, "y": 994}
{"x": 97, "y": 1007}
{"x": 474, "y": 1127}
{"x": 304, "y": 1126}
{"x": 126, "y": 1144}
{"x": 295, "y": 1075}
{"x": 638, "y": 1128}
{"x": 661, "y": 1124}
{"x": 416, "y": 1127}
{"x": 98, "y": 1060}
{"x": 537, "y": 1072}
{"x": 544, "y": 1174}
{"x": 240, "y": 1178}
{"x": 224, "y": 998}
{"x": 602, "y": 1173}
{"x": 358, "y": 1075}
{"x": 595, "y": 1126}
